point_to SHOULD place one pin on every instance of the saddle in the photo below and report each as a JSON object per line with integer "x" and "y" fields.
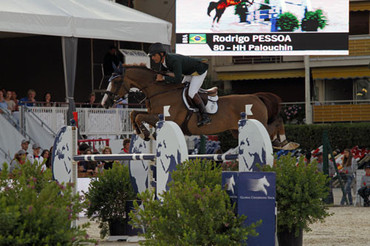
{"x": 209, "y": 98}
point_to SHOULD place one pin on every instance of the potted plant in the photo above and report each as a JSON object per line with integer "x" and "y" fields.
{"x": 108, "y": 197}
{"x": 300, "y": 194}
{"x": 313, "y": 20}
{"x": 287, "y": 22}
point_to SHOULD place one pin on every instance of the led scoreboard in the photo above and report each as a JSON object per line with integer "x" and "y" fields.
{"x": 273, "y": 27}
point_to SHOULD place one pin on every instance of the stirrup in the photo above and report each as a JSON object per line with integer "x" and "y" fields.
{"x": 204, "y": 122}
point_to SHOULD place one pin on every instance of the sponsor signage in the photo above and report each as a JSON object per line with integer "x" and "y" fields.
{"x": 255, "y": 196}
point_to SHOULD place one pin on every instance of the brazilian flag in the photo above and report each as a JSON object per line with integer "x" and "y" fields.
{"x": 197, "y": 39}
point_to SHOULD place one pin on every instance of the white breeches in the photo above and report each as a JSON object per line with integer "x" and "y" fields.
{"x": 196, "y": 82}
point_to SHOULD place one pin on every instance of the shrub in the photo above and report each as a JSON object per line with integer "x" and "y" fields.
{"x": 195, "y": 210}
{"x": 287, "y": 22}
{"x": 300, "y": 193}
{"x": 107, "y": 196}
{"x": 34, "y": 210}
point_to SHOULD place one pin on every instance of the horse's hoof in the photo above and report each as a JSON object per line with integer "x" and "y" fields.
{"x": 153, "y": 136}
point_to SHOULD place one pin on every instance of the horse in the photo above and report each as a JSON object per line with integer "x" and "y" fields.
{"x": 220, "y": 7}
{"x": 266, "y": 106}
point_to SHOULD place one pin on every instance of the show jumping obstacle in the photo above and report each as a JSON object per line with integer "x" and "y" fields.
{"x": 171, "y": 150}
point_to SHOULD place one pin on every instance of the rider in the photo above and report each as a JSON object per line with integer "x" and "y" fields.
{"x": 194, "y": 71}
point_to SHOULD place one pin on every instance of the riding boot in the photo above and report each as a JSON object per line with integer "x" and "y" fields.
{"x": 205, "y": 120}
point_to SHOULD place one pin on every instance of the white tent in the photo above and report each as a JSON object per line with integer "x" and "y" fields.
{"x": 100, "y": 19}
{"x": 73, "y": 19}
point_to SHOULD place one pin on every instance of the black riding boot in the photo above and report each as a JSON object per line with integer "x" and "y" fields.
{"x": 205, "y": 120}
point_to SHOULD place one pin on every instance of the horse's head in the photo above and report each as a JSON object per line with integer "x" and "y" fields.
{"x": 116, "y": 88}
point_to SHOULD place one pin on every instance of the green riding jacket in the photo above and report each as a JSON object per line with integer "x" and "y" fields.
{"x": 182, "y": 65}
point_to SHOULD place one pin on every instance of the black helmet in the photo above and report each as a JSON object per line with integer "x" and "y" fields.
{"x": 156, "y": 48}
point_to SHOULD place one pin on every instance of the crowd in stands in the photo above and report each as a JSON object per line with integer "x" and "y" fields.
{"x": 41, "y": 157}
{"x": 9, "y": 102}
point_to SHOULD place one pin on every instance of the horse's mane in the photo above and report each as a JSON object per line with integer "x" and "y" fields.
{"x": 142, "y": 66}
{"x": 138, "y": 66}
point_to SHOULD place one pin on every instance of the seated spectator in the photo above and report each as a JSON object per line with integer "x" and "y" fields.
{"x": 47, "y": 98}
{"x": 9, "y": 101}
{"x": 35, "y": 157}
{"x": 19, "y": 159}
{"x": 126, "y": 146}
{"x": 24, "y": 145}
{"x": 14, "y": 98}
{"x": 125, "y": 150}
{"x": 364, "y": 191}
{"x": 3, "y": 104}
{"x": 121, "y": 103}
{"x": 107, "y": 164}
{"x": 91, "y": 102}
{"x": 29, "y": 100}
{"x": 45, "y": 155}
{"x": 90, "y": 167}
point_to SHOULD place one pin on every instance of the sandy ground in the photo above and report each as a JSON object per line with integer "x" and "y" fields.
{"x": 349, "y": 225}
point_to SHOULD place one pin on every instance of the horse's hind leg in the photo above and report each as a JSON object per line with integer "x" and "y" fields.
{"x": 276, "y": 131}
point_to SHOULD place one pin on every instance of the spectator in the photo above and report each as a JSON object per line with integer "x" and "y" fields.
{"x": 349, "y": 168}
{"x": 3, "y": 104}
{"x": 35, "y": 157}
{"x": 14, "y": 98}
{"x": 110, "y": 58}
{"x": 90, "y": 167}
{"x": 29, "y": 100}
{"x": 125, "y": 150}
{"x": 9, "y": 101}
{"x": 46, "y": 156}
{"x": 320, "y": 168}
{"x": 91, "y": 102}
{"x": 126, "y": 146}
{"x": 47, "y": 98}
{"x": 19, "y": 159}
{"x": 364, "y": 191}
{"x": 121, "y": 103}
{"x": 107, "y": 164}
{"x": 24, "y": 145}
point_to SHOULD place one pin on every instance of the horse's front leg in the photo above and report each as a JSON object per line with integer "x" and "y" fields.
{"x": 133, "y": 115}
{"x": 151, "y": 119}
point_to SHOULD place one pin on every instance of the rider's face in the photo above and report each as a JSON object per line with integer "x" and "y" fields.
{"x": 156, "y": 58}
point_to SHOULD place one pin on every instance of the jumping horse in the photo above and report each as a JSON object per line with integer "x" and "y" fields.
{"x": 220, "y": 7}
{"x": 266, "y": 106}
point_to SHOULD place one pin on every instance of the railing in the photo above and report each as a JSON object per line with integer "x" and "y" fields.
{"x": 333, "y": 111}
{"x": 256, "y": 59}
{"x": 91, "y": 121}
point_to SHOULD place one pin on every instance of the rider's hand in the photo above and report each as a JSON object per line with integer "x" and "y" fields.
{"x": 160, "y": 77}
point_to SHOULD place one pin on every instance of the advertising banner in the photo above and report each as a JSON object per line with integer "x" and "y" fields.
{"x": 254, "y": 194}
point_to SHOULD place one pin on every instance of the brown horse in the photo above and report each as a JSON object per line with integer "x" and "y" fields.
{"x": 266, "y": 106}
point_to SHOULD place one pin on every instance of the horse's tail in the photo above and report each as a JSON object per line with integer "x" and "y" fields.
{"x": 273, "y": 105}
{"x": 211, "y": 6}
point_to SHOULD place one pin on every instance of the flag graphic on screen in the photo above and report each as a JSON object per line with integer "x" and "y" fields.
{"x": 197, "y": 39}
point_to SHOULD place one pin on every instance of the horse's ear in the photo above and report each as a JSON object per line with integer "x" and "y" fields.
{"x": 118, "y": 69}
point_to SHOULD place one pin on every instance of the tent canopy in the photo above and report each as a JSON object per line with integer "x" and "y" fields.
{"x": 73, "y": 19}
{"x": 98, "y": 19}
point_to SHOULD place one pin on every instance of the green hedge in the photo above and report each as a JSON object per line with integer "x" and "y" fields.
{"x": 341, "y": 135}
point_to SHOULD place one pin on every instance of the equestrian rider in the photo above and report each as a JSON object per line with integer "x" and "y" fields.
{"x": 193, "y": 69}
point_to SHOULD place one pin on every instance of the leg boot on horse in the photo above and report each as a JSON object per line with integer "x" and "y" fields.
{"x": 205, "y": 120}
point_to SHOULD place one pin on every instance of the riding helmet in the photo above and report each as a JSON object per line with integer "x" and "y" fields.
{"x": 156, "y": 48}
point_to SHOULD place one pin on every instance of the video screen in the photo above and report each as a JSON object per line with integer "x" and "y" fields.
{"x": 262, "y": 27}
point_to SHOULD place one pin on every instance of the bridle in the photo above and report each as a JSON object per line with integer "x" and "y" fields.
{"x": 113, "y": 95}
